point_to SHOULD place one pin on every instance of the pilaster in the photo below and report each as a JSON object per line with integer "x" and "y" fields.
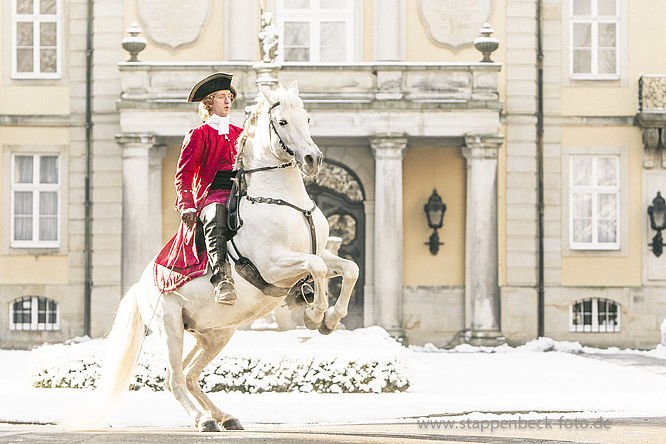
{"x": 240, "y": 46}
{"x": 389, "y": 32}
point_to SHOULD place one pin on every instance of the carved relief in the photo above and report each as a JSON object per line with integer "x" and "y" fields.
{"x": 338, "y": 179}
{"x": 173, "y": 23}
{"x": 342, "y": 226}
{"x": 454, "y": 23}
{"x": 653, "y": 92}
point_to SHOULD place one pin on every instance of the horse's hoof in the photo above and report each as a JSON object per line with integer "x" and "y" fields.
{"x": 310, "y": 324}
{"x": 232, "y": 424}
{"x": 324, "y": 330}
{"x": 209, "y": 425}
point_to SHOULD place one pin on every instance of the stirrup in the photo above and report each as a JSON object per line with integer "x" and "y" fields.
{"x": 225, "y": 292}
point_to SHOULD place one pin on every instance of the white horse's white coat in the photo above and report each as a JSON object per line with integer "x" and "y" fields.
{"x": 276, "y": 238}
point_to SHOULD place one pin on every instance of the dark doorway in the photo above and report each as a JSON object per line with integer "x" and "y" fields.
{"x": 339, "y": 194}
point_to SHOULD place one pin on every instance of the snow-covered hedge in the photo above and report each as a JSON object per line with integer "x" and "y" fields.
{"x": 246, "y": 368}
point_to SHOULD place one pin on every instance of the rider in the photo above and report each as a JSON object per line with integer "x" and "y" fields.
{"x": 204, "y": 173}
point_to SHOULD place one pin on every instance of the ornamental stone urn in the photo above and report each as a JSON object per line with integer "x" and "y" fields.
{"x": 134, "y": 43}
{"x": 485, "y": 43}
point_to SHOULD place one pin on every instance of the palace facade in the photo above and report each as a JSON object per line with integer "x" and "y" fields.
{"x": 546, "y": 151}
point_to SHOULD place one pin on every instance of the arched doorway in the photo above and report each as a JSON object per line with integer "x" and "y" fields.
{"x": 339, "y": 194}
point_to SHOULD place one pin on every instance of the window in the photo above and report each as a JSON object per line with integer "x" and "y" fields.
{"x": 594, "y": 37}
{"x": 35, "y": 192}
{"x": 34, "y": 313}
{"x": 316, "y": 30}
{"x": 36, "y": 39}
{"x": 595, "y": 315}
{"x": 594, "y": 202}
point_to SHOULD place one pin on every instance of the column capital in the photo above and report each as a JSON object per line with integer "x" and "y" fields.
{"x": 386, "y": 146}
{"x": 479, "y": 146}
{"x": 136, "y": 144}
{"x": 136, "y": 139}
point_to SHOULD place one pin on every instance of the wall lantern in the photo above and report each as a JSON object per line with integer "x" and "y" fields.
{"x": 434, "y": 210}
{"x": 657, "y": 213}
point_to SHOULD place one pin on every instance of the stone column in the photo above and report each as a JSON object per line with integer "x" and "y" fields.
{"x": 240, "y": 15}
{"x": 482, "y": 299}
{"x": 389, "y": 33}
{"x": 142, "y": 203}
{"x": 389, "y": 152}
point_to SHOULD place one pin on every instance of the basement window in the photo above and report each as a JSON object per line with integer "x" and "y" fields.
{"x": 595, "y": 315}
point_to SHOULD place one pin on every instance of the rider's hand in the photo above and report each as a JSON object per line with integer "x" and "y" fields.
{"x": 189, "y": 218}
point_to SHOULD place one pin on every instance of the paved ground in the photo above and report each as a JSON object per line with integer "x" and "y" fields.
{"x": 439, "y": 428}
{"x": 654, "y": 365}
{"x": 626, "y": 431}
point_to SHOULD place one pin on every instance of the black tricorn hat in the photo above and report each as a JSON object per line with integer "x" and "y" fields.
{"x": 210, "y": 84}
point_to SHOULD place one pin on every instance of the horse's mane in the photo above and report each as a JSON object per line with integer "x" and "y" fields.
{"x": 249, "y": 128}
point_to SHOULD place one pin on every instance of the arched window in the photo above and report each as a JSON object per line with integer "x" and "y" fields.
{"x": 34, "y": 313}
{"x": 595, "y": 315}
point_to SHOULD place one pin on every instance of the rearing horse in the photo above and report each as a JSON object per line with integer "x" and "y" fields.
{"x": 275, "y": 237}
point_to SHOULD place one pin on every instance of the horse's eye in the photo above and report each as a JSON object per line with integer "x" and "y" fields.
{"x": 283, "y": 122}
{"x": 308, "y": 120}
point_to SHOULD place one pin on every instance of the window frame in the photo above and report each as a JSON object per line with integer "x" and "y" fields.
{"x": 35, "y": 325}
{"x": 35, "y": 188}
{"x": 315, "y": 16}
{"x": 594, "y": 327}
{"x": 594, "y": 20}
{"x": 622, "y": 246}
{"x": 35, "y": 20}
{"x": 595, "y": 191}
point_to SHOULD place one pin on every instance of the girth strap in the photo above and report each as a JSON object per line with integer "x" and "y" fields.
{"x": 306, "y": 213}
{"x": 246, "y": 268}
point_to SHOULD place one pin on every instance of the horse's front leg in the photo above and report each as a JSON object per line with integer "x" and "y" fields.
{"x": 338, "y": 266}
{"x": 288, "y": 265}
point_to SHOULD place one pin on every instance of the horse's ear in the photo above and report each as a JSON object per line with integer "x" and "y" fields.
{"x": 293, "y": 88}
{"x": 267, "y": 93}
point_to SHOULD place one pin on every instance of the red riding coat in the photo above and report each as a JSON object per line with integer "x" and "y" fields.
{"x": 204, "y": 152}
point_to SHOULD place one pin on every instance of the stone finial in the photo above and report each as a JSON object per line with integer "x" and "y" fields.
{"x": 134, "y": 43}
{"x": 485, "y": 43}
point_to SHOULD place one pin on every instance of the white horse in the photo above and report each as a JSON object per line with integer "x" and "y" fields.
{"x": 276, "y": 238}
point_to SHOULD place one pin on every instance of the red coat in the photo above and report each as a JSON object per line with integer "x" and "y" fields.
{"x": 204, "y": 152}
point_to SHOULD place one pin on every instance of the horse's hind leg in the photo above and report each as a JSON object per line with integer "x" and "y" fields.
{"x": 207, "y": 347}
{"x": 171, "y": 331}
{"x": 338, "y": 266}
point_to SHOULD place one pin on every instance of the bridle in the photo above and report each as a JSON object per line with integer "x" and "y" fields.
{"x": 272, "y": 125}
{"x": 284, "y": 146}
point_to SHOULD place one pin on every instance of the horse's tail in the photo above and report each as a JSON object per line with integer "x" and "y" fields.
{"x": 123, "y": 345}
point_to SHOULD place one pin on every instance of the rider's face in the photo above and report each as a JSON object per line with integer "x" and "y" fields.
{"x": 222, "y": 103}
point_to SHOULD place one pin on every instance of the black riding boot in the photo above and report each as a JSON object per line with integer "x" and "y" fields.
{"x": 216, "y": 235}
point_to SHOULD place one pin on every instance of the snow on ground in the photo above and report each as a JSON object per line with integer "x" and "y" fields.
{"x": 542, "y": 376}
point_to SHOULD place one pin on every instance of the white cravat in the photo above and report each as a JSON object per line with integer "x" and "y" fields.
{"x": 221, "y": 124}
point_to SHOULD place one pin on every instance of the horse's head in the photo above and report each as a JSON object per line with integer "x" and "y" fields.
{"x": 289, "y": 120}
